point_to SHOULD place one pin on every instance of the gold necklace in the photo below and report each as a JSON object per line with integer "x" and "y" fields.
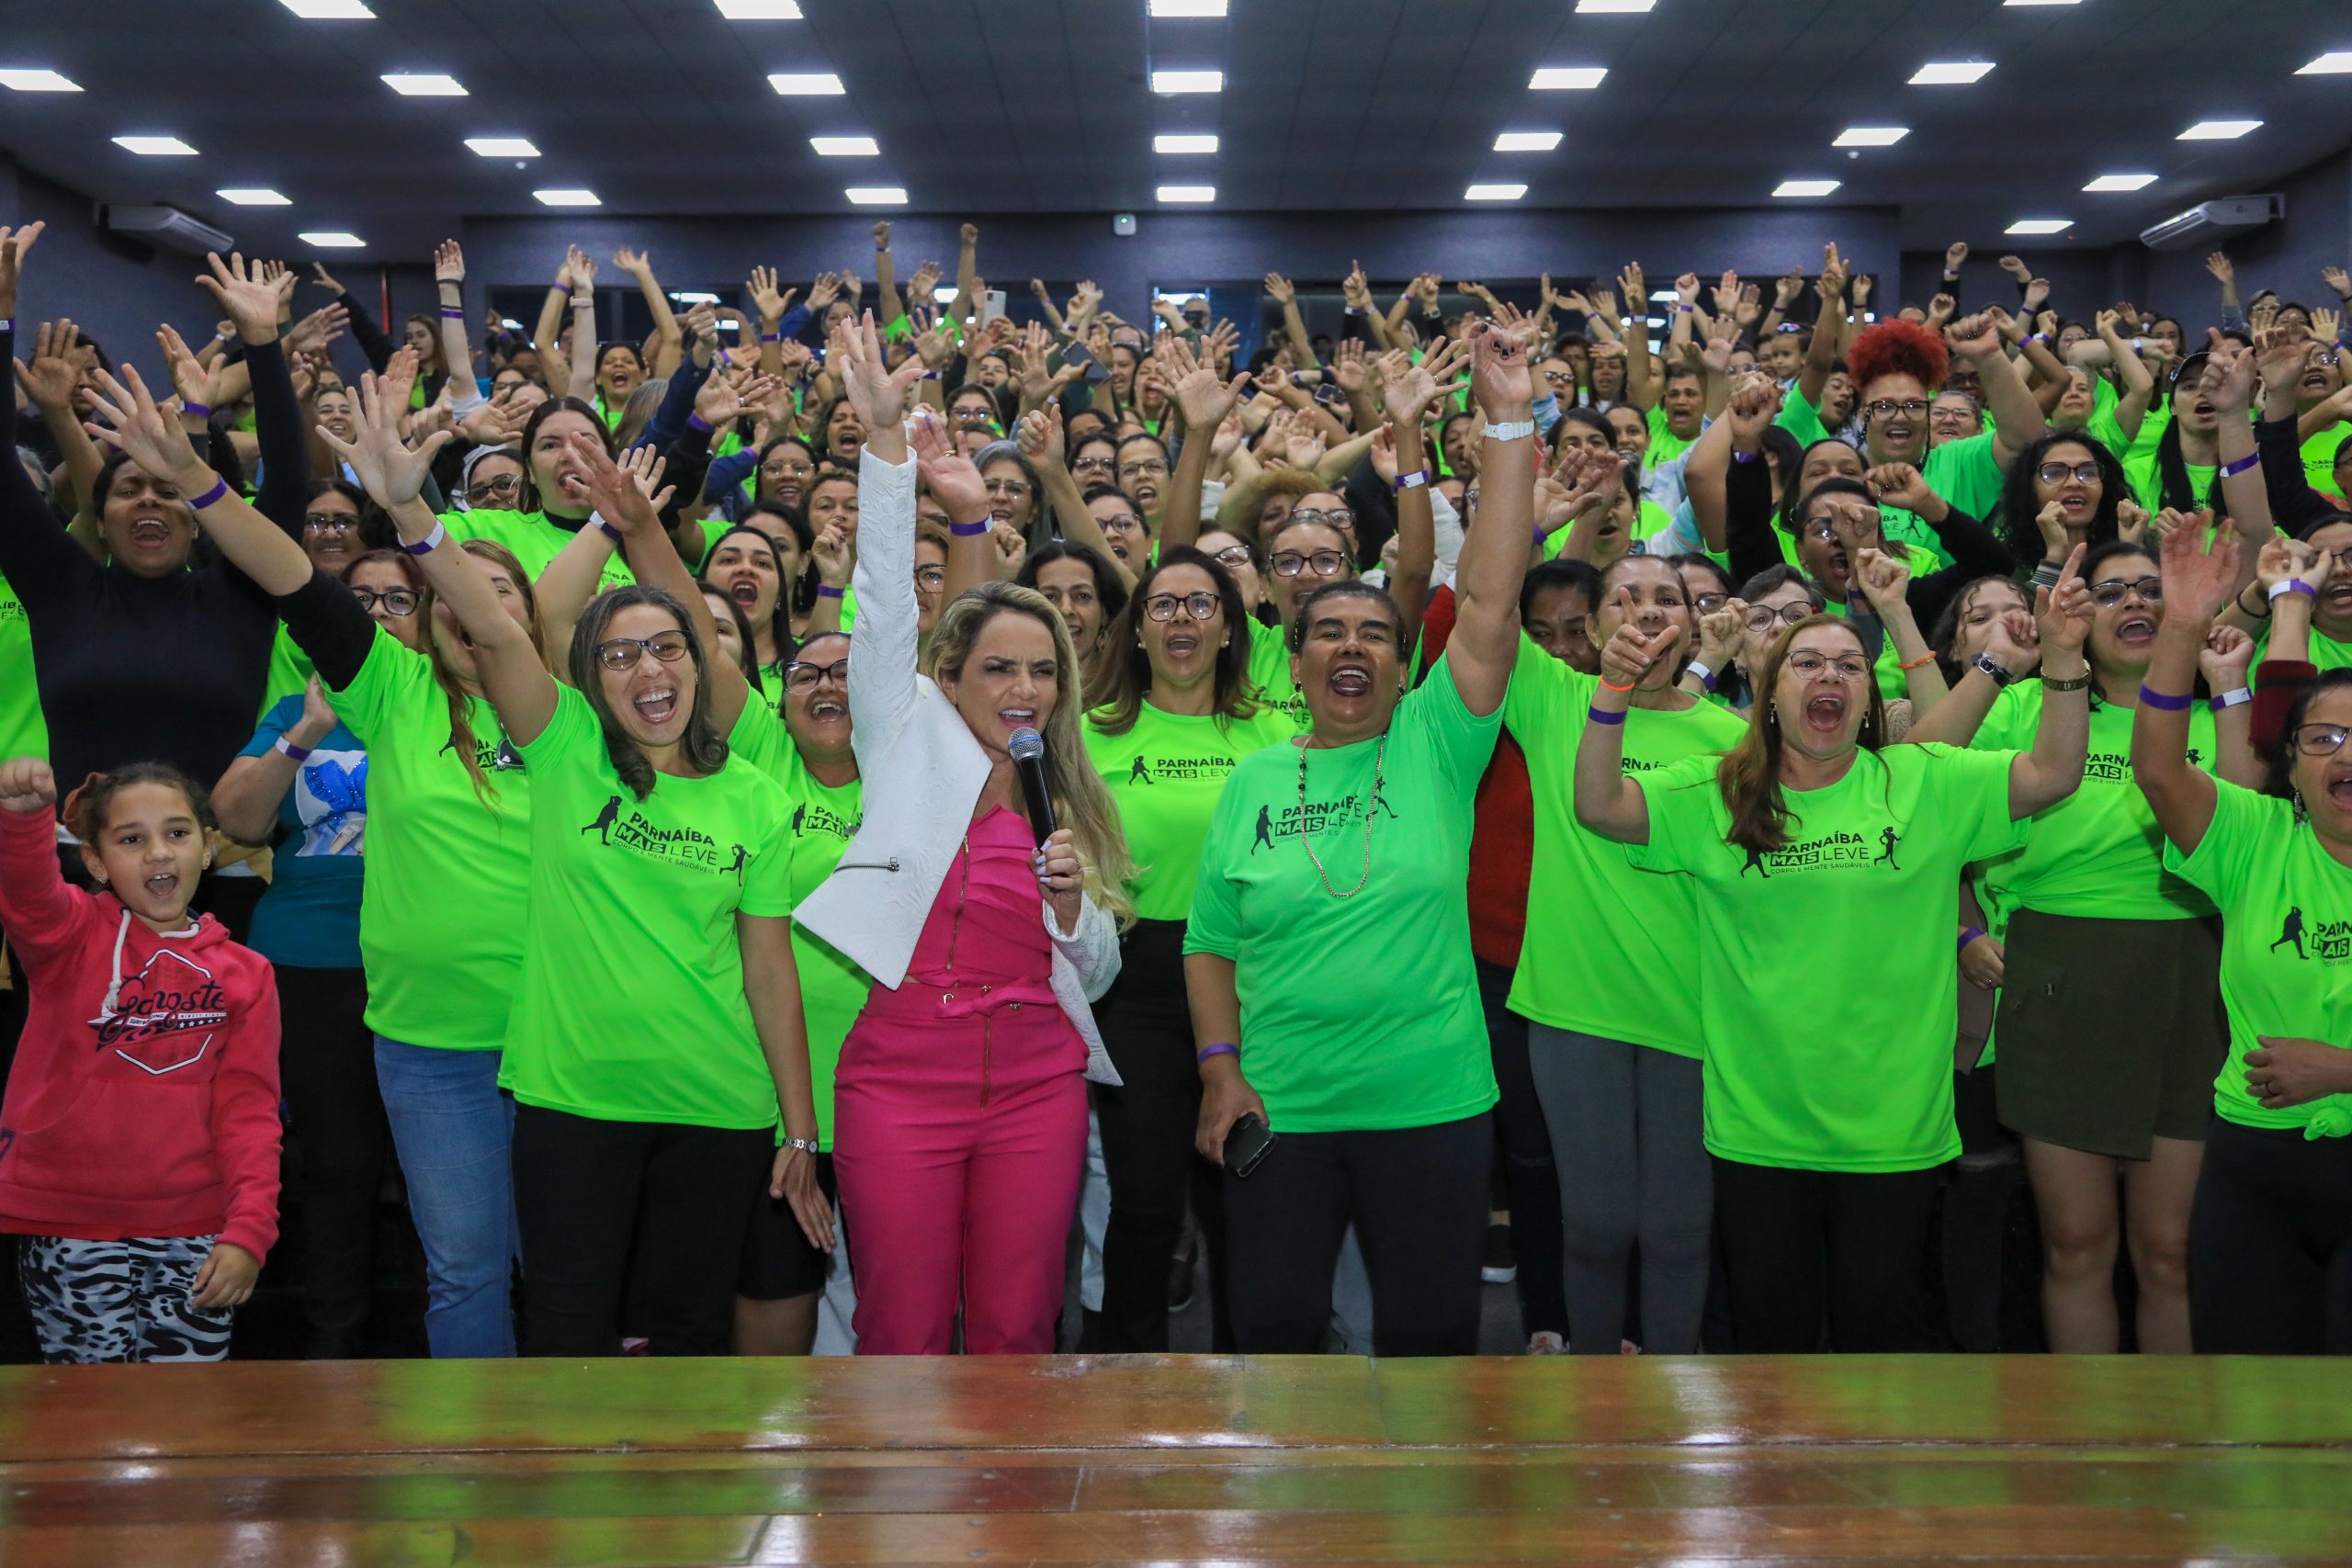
{"x": 1371, "y": 804}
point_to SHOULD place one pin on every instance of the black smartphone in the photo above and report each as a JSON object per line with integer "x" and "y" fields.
{"x": 1246, "y": 1143}
{"x": 1096, "y": 371}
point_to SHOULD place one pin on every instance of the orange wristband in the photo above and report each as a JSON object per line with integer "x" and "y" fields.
{"x": 1607, "y": 687}
{"x": 1914, "y": 663}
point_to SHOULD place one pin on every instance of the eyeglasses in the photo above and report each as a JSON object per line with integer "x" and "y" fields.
{"x": 780, "y": 470}
{"x": 2321, "y": 740}
{"x": 931, "y": 579}
{"x": 2324, "y": 356}
{"x": 506, "y": 487}
{"x": 974, "y": 417}
{"x": 1708, "y": 604}
{"x": 1560, "y": 377}
{"x": 330, "y": 522}
{"x": 1764, "y": 617}
{"x": 1121, "y": 522}
{"x": 1196, "y": 606}
{"x": 1882, "y": 408}
{"x": 623, "y": 652}
{"x": 2109, "y": 594}
{"x": 1329, "y": 517}
{"x": 1827, "y": 528}
{"x": 1323, "y": 563}
{"x": 800, "y": 677}
{"x": 1233, "y": 555}
{"x": 1094, "y": 465}
{"x": 1016, "y": 489}
{"x": 395, "y": 601}
{"x": 2055, "y": 473}
{"x": 1146, "y": 466}
{"x": 1847, "y": 668}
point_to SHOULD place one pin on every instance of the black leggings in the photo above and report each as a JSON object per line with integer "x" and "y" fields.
{"x": 2270, "y": 1244}
{"x": 336, "y": 1143}
{"x": 1800, "y": 1245}
{"x": 1418, "y": 1196}
{"x": 1530, "y": 1181}
{"x": 649, "y": 1214}
{"x": 1148, "y": 1125}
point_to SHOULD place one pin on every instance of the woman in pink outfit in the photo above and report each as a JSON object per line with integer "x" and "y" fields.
{"x": 960, "y": 1099}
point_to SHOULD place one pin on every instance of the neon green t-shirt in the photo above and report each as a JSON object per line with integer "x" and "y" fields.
{"x": 1270, "y": 673}
{"x": 1664, "y": 446}
{"x": 1583, "y": 898}
{"x": 2319, "y": 455}
{"x": 446, "y": 896}
{"x": 290, "y": 669}
{"x": 1392, "y": 1035}
{"x": 1166, "y": 771}
{"x": 631, "y": 1006}
{"x": 1964, "y": 472}
{"x": 2098, "y": 853}
{"x": 833, "y": 989}
{"x": 1804, "y": 1069}
{"x": 23, "y": 731}
{"x": 758, "y": 734}
{"x": 2285, "y": 945}
{"x": 2148, "y": 481}
{"x": 2326, "y": 652}
{"x": 535, "y": 540}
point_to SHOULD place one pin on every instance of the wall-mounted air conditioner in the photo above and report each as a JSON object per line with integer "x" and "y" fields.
{"x": 167, "y": 226}
{"x": 2208, "y": 222}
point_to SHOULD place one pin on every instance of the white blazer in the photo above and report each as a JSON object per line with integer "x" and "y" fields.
{"x": 922, "y": 773}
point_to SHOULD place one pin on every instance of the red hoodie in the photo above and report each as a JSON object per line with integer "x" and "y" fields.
{"x": 143, "y": 1101}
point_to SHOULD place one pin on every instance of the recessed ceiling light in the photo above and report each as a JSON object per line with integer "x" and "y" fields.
{"x": 1188, "y": 82}
{"x": 155, "y": 146}
{"x": 693, "y": 296}
{"x": 1494, "y": 193}
{"x": 1527, "y": 141}
{"x": 1174, "y": 142}
{"x": 1553, "y": 77}
{"x": 1804, "y": 188}
{"x": 1870, "y": 135}
{"x": 1614, "y": 7}
{"x": 566, "y": 196}
{"x": 1188, "y": 7}
{"x": 2334, "y": 62}
{"x": 2041, "y": 1}
{"x": 846, "y": 146}
{"x": 36, "y": 79}
{"x": 252, "y": 196}
{"x": 1950, "y": 73}
{"x": 2039, "y": 226}
{"x": 760, "y": 10}
{"x": 876, "y": 196}
{"x": 330, "y": 239}
{"x": 424, "y": 85}
{"x": 2219, "y": 129}
{"x": 1187, "y": 193}
{"x": 2120, "y": 182}
{"x": 330, "y": 10}
{"x": 806, "y": 83}
{"x": 503, "y": 146}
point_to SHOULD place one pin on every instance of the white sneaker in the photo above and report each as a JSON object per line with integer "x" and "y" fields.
{"x": 1547, "y": 1343}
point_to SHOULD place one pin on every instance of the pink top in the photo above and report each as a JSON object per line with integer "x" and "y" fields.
{"x": 984, "y": 945}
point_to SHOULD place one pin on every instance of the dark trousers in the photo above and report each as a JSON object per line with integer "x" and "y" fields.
{"x": 1417, "y": 1197}
{"x": 2270, "y": 1244}
{"x": 599, "y": 1200}
{"x": 1148, "y": 1125}
{"x": 336, "y": 1143}
{"x": 1531, "y": 1182}
{"x": 1803, "y": 1245}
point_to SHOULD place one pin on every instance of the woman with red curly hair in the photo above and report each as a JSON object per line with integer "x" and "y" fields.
{"x": 1900, "y": 367}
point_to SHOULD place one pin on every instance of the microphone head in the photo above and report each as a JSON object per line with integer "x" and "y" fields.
{"x": 1026, "y": 745}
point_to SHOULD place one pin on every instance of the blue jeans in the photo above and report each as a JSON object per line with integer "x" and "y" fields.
{"x": 453, "y": 1129}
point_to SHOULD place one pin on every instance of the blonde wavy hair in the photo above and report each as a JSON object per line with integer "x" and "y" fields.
{"x": 1081, "y": 804}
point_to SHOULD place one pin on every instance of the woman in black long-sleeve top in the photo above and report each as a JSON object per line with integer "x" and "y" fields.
{"x": 143, "y": 657}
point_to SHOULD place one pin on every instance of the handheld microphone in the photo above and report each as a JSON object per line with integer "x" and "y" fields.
{"x": 1027, "y": 750}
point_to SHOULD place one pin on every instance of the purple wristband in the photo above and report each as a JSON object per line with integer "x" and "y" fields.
{"x": 1739, "y": 457}
{"x": 1219, "y": 1049}
{"x": 220, "y": 488}
{"x": 771, "y": 337}
{"x": 696, "y": 421}
{"x": 971, "y": 530}
{"x": 614, "y": 534}
{"x": 1597, "y": 717}
{"x": 452, "y": 312}
{"x": 2232, "y": 471}
{"x": 196, "y": 411}
{"x": 2164, "y": 701}
{"x": 827, "y": 591}
{"x": 1971, "y": 934}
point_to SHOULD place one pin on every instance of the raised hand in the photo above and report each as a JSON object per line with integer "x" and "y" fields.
{"x": 1749, "y": 309}
{"x": 1831, "y": 284}
{"x": 1634, "y": 284}
{"x": 321, "y": 278}
{"x": 1040, "y": 436}
{"x": 835, "y": 556}
{"x": 2014, "y": 642}
{"x": 2037, "y": 294}
{"x": 1723, "y": 340}
{"x": 1498, "y": 378}
{"x": 2228, "y": 379}
{"x": 2015, "y": 267}
{"x": 1348, "y": 366}
{"x": 1727, "y": 293}
{"x": 2063, "y": 615}
{"x": 15, "y": 243}
{"x": 1630, "y": 654}
{"x": 1754, "y": 403}
{"x": 723, "y": 397}
{"x": 387, "y": 470}
{"x": 1280, "y": 288}
{"x": 2198, "y": 582}
{"x": 1955, "y": 254}
{"x": 2325, "y": 324}
{"x": 1884, "y": 578}
{"x": 2336, "y": 278}
{"x": 1407, "y": 390}
{"x": 1975, "y": 338}
{"x": 1721, "y": 633}
{"x": 128, "y": 422}
{"x": 56, "y": 368}
{"x": 1900, "y": 484}
{"x": 950, "y": 477}
{"x": 923, "y": 283}
{"x": 875, "y": 390}
{"x": 195, "y": 383}
{"x": 245, "y": 297}
{"x": 2223, "y": 271}
{"x": 1356, "y": 289}
{"x": 761, "y": 290}
{"x": 314, "y": 332}
{"x": 26, "y": 785}
{"x": 2286, "y": 559}
{"x": 822, "y": 293}
{"x": 2225, "y": 659}
{"x": 448, "y": 261}
{"x": 581, "y": 268}
{"x": 1789, "y": 291}
{"x": 636, "y": 264}
{"x": 1203, "y": 396}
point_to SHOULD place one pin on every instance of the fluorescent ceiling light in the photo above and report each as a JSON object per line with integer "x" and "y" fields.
{"x": 1527, "y": 141}
{"x": 503, "y": 146}
{"x": 1950, "y": 74}
{"x": 330, "y": 239}
{"x": 806, "y": 83}
{"x": 693, "y": 296}
{"x": 252, "y": 196}
{"x": 846, "y": 146}
{"x": 876, "y": 196}
{"x": 2039, "y": 226}
{"x": 1870, "y": 135}
{"x": 1667, "y": 295}
{"x": 1804, "y": 188}
{"x": 1166, "y": 82}
{"x": 155, "y": 146}
{"x": 2334, "y": 62}
{"x": 944, "y": 294}
{"x": 330, "y": 10}
{"x": 1175, "y": 143}
{"x": 760, "y": 10}
{"x": 424, "y": 85}
{"x": 2120, "y": 182}
{"x": 2041, "y": 1}
{"x": 1554, "y": 77}
{"x": 1614, "y": 7}
{"x": 1187, "y": 193}
{"x": 566, "y": 196}
{"x": 1188, "y": 7}
{"x": 36, "y": 79}
{"x": 2219, "y": 129}
{"x": 1494, "y": 193}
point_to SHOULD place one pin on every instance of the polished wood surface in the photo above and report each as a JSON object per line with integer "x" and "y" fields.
{"x": 1081, "y": 1459}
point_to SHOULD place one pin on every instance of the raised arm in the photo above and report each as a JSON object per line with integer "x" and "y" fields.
{"x": 884, "y": 635}
{"x": 886, "y": 277}
{"x": 2017, "y": 413}
{"x": 1827, "y": 328}
{"x": 666, "y": 346}
{"x": 1293, "y": 325}
{"x": 973, "y": 557}
{"x": 252, "y": 302}
{"x": 555, "y": 364}
{"x": 1494, "y": 549}
{"x": 2052, "y": 769}
{"x": 1040, "y": 434}
{"x": 581, "y": 382}
{"x": 1607, "y": 802}
{"x": 1203, "y": 397}
{"x": 2228, "y": 384}
{"x": 457, "y": 343}
{"x": 2139, "y": 384}
{"x": 48, "y": 383}
{"x": 2197, "y": 584}
{"x": 966, "y": 303}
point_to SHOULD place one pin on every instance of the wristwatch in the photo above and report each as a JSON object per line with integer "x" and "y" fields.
{"x": 2001, "y": 677}
{"x": 1517, "y": 431}
{"x": 806, "y": 1146}
{"x": 2076, "y": 684}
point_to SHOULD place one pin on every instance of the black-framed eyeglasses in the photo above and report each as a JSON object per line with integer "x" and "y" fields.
{"x": 1121, "y": 522}
{"x": 2321, "y": 740}
{"x": 1880, "y": 407}
{"x": 974, "y": 417}
{"x": 506, "y": 487}
{"x": 330, "y": 522}
{"x": 1146, "y": 466}
{"x": 395, "y": 601}
{"x": 624, "y": 652}
{"x": 1197, "y": 606}
{"x": 1763, "y": 616}
{"x": 800, "y": 676}
{"x": 2111, "y": 593}
{"x": 1845, "y": 667}
{"x": 1322, "y": 563}
{"x": 2056, "y": 473}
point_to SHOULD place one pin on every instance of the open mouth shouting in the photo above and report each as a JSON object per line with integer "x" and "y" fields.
{"x": 744, "y": 589}
{"x": 163, "y": 887}
{"x": 2339, "y": 788}
{"x": 827, "y": 709}
{"x": 1824, "y": 712}
{"x": 1017, "y": 718}
{"x": 2137, "y": 630}
{"x": 1182, "y": 645}
{"x": 150, "y": 532}
{"x": 1349, "y": 679}
{"x": 656, "y": 705}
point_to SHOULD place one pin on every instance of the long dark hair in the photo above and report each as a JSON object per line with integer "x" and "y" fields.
{"x": 2278, "y": 766}
{"x": 1943, "y": 639}
{"x": 1749, "y": 775}
{"x": 530, "y": 499}
{"x": 705, "y": 747}
{"x": 1125, "y": 667}
{"x": 461, "y": 729}
{"x": 1109, "y": 591}
{"x": 2019, "y": 530}
{"x": 749, "y": 661}
{"x": 787, "y": 593}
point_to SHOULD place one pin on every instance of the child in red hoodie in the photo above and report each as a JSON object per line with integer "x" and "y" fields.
{"x": 139, "y": 1138}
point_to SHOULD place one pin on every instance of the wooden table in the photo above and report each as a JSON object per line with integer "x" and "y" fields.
{"x": 1164, "y": 1459}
